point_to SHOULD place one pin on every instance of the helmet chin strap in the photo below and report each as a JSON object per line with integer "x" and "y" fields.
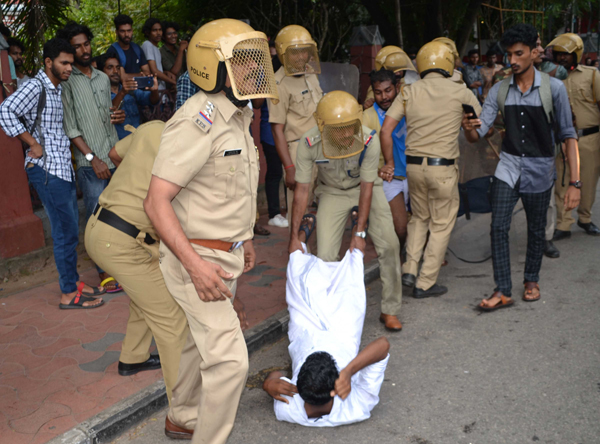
{"x": 233, "y": 99}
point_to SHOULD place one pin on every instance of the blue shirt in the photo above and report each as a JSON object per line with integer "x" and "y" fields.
{"x": 185, "y": 89}
{"x": 266, "y": 135}
{"x": 130, "y": 105}
{"x": 399, "y": 141}
{"x": 527, "y": 149}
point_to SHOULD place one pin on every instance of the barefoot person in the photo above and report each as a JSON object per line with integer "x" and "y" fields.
{"x": 48, "y": 164}
{"x": 526, "y": 169}
{"x": 332, "y": 382}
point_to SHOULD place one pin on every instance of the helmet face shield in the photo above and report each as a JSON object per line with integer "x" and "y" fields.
{"x": 301, "y": 59}
{"x": 251, "y": 71}
{"x": 342, "y": 140}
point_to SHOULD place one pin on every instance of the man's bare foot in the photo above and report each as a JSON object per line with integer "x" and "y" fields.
{"x": 65, "y": 299}
{"x": 308, "y": 222}
{"x": 496, "y": 301}
{"x": 110, "y": 286}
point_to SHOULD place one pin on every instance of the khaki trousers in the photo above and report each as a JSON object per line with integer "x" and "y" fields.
{"x": 589, "y": 170}
{"x": 152, "y": 309}
{"x": 214, "y": 361}
{"x": 331, "y": 220}
{"x": 434, "y": 201}
{"x": 293, "y": 148}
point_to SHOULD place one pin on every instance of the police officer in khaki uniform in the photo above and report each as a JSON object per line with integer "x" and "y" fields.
{"x": 433, "y": 111}
{"x": 457, "y": 76}
{"x": 347, "y": 156}
{"x": 583, "y": 87}
{"x": 394, "y": 59}
{"x": 202, "y": 201}
{"x": 120, "y": 238}
{"x": 299, "y": 93}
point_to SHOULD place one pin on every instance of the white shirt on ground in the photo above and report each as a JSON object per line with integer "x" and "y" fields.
{"x": 327, "y": 305}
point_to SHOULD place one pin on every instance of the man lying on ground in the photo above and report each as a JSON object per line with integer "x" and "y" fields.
{"x": 332, "y": 382}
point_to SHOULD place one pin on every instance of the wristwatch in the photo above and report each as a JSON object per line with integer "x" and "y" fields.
{"x": 90, "y": 156}
{"x": 362, "y": 234}
{"x": 577, "y": 184}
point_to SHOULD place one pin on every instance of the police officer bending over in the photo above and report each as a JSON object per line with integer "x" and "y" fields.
{"x": 347, "y": 155}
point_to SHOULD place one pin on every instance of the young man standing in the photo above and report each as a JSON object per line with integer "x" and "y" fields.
{"x": 130, "y": 55}
{"x": 90, "y": 123}
{"x": 173, "y": 55}
{"x": 15, "y": 50}
{"x": 385, "y": 89}
{"x": 526, "y": 169}
{"x": 488, "y": 72}
{"x": 583, "y": 88}
{"x": 48, "y": 164}
{"x": 472, "y": 76}
{"x": 128, "y": 93}
{"x": 153, "y": 31}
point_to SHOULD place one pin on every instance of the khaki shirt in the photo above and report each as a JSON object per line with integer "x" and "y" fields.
{"x": 371, "y": 120}
{"x": 336, "y": 175}
{"x": 433, "y": 110}
{"x": 298, "y": 99}
{"x": 218, "y": 195}
{"x": 128, "y": 187}
{"x": 583, "y": 88}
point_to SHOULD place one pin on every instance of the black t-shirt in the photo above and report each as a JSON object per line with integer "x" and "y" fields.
{"x": 133, "y": 64}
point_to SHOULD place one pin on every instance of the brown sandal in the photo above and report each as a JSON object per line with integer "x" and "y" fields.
{"x": 504, "y": 302}
{"x": 532, "y": 292}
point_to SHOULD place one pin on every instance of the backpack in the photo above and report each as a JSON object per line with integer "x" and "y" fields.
{"x": 121, "y": 53}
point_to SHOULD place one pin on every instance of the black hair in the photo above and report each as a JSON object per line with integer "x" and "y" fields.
{"x": 471, "y": 52}
{"x": 167, "y": 24}
{"x": 317, "y": 378}
{"x": 413, "y": 50}
{"x": 382, "y": 75}
{"x": 101, "y": 60}
{"x": 121, "y": 20}
{"x": 73, "y": 29}
{"x": 4, "y": 30}
{"x": 491, "y": 52}
{"x": 148, "y": 24}
{"x": 521, "y": 33}
{"x": 53, "y": 48}
{"x": 14, "y": 42}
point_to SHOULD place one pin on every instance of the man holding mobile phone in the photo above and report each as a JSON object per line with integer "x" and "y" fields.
{"x": 433, "y": 110}
{"x": 531, "y": 104}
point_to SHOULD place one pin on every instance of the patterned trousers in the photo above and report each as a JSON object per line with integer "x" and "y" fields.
{"x": 504, "y": 199}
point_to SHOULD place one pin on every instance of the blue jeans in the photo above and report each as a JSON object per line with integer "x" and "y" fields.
{"x": 59, "y": 198}
{"x": 92, "y": 188}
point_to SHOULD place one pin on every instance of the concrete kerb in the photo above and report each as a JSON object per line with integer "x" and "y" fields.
{"x": 113, "y": 421}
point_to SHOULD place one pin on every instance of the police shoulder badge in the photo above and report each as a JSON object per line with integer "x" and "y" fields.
{"x": 310, "y": 141}
{"x": 204, "y": 118}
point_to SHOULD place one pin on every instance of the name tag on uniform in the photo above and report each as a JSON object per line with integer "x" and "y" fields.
{"x": 234, "y": 152}
{"x": 321, "y": 161}
{"x": 203, "y": 122}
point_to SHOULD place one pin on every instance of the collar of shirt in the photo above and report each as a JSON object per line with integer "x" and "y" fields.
{"x": 77, "y": 72}
{"x": 46, "y": 80}
{"x": 434, "y": 76}
{"x": 226, "y": 108}
{"x": 537, "y": 81}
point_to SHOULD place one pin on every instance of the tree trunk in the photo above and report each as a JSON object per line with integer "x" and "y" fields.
{"x": 462, "y": 37}
{"x": 399, "y": 24}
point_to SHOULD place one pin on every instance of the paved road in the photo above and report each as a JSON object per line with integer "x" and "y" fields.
{"x": 530, "y": 373}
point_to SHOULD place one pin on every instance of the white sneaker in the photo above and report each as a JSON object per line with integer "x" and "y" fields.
{"x": 279, "y": 221}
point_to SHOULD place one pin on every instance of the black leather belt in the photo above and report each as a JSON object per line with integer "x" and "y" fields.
{"x": 431, "y": 161}
{"x": 588, "y": 131}
{"x": 110, "y": 218}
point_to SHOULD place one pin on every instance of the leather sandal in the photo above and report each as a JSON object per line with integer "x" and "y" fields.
{"x": 532, "y": 292}
{"x": 504, "y": 302}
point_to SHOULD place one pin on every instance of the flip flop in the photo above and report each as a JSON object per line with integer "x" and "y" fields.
{"x": 531, "y": 292}
{"x": 504, "y": 302}
{"x": 304, "y": 226}
{"x": 118, "y": 287}
{"x": 354, "y": 219}
{"x": 78, "y": 301}
{"x": 96, "y": 292}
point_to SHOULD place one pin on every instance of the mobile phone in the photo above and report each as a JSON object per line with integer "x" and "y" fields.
{"x": 468, "y": 109}
{"x": 232, "y": 152}
{"x": 144, "y": 82}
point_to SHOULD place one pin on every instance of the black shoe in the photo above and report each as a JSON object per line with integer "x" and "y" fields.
{"x": 153, "y": 363}
{"x": 550, "y": 250}
{"x": 408, "y": 280}
{"x": 436, "y": 290}
{"x": 590, "y": 228}
{"x": 560, "y": 235}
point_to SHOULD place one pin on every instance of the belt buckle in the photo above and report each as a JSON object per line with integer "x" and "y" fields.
{"x": 235, "y": 246}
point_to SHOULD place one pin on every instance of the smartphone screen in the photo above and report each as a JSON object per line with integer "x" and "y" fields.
{"x": 468, "y": 109}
